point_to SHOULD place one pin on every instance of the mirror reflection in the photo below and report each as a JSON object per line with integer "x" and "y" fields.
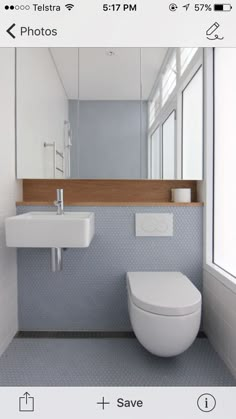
{"x": 109, "y": 113}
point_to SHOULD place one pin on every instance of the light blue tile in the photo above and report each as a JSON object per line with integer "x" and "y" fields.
{"x": 108, "y": 362}
{"x": 90, "y": 293}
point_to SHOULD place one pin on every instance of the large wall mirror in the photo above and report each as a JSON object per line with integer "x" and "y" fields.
{"x": 109, "y": 113}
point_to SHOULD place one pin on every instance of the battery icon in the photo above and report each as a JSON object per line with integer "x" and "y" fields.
{"x": 223, "y": 7}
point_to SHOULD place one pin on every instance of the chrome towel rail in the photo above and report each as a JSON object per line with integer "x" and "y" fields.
{"x": 60, "y": 154}
{"x": 55, "y": 154}
{"x": 53, "y": 145}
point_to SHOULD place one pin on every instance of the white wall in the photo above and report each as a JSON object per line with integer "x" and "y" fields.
{"x": 219, "y": 318}
{"x": 9, "y": 193}
{"x": 42, "y": 108}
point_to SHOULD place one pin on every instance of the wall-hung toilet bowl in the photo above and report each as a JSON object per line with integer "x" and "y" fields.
{"x": 165, "y": 311}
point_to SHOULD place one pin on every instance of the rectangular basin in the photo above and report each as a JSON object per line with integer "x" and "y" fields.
{"x": 47, "y": 229}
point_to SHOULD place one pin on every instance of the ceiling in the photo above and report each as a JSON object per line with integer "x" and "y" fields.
{"x": 67, "y": 61}
{"x": 108, "y": 73}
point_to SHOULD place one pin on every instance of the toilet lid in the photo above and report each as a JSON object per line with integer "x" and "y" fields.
{"x": 165, "y": 293}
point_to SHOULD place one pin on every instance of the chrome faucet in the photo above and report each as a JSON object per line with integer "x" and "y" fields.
{"x": 59, "y": 203}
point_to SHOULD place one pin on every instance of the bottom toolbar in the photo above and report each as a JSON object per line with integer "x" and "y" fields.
{"x": 125, "y": 402}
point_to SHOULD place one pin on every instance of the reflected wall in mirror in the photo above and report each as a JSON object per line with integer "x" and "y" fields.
{"x": 118, "y": 113}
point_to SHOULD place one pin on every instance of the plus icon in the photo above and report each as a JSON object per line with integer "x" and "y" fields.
{"x": 103, "y": 403}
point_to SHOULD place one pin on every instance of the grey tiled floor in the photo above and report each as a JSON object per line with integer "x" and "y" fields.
{"x": 108, "y": 362}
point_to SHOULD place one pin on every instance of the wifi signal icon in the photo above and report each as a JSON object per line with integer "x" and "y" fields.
{"x": 69, "y": 6}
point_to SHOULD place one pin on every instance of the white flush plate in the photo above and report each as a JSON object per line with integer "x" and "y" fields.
{"x": 154, "y": 225}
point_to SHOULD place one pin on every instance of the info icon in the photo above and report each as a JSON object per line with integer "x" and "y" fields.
{"x": 206, "y": 402}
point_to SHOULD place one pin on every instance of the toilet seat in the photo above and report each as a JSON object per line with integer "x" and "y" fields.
{"x": 163, "y": 293}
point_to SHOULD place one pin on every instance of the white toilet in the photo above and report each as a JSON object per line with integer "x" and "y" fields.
{"x": 165, "y": 311}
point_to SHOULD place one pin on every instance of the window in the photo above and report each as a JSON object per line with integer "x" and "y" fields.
{"x": 186, "y": 56}
{"x": 169, "y": 79}
{"x": 154, "y": 107}
{"x": 192, "y": 127}
{"x": 168, "y": 147}
{"x": 224, "y": 161}
{"x": 156, "y": 154}
{"x": 181, "y": 90}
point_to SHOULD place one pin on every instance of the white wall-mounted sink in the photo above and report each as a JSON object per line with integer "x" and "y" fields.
{"x": 47, "y": 229}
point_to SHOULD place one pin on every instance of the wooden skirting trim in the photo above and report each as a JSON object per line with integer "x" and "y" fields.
{"x": 104, "y": 191}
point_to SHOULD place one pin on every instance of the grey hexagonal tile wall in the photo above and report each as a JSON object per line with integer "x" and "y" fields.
{"x": 90, "y": 292}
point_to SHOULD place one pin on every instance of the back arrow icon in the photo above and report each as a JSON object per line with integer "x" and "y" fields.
{"x": 9, "y": 31}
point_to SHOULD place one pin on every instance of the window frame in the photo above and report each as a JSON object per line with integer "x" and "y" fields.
{"x": 214, "y": 178}
{"x": 159, "y": 124}
{"x": 195, "y": 69}
{"x": 150, "y": 153}
{"x": 172, "y": 55}
{"x": 192, "y": 59}
{"x": 207, "y": 186}
{"x": 173, "y": 111}
{"x": 174, "y": 103}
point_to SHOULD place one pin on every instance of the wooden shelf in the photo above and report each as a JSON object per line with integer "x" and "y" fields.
{"x": 113, "y": 204}
{"x": 105, "y": 192}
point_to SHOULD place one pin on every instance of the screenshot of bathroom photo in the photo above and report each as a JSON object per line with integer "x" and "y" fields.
{"x": 117, "y": 211}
